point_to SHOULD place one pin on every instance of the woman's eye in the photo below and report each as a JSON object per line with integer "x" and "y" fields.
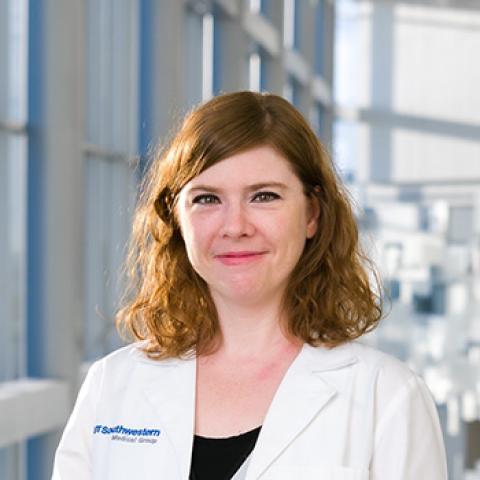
{"x": 265, "y": 197}
{"x": 205, "y": 199}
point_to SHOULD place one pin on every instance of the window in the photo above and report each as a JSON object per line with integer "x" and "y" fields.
{"x": 255, "y": 6}
{"x": 12, "y": 462}
{"x": 432, "y": 302}
{"x": 291, "y": 91}
{"x": 196, "y": 58}
{"x": 255, "y": 72}
{"x": 318, "y": 119}
{"x": 13, "y": 113}
{"x": 319, "y": 37}
{"x": 392, "y": 287}
{"x": 291, "y": 24}
{"x": 110, "y": 198}
{"x": 209, "y": 56}
{"x": 345, "y": 137}
{"x": 12, "y": 254}
{"x": 112, "y": 147}
{"x": 262, "y": 7}
{"x": 460, "y": 224}
{"x": 13, "y": 179}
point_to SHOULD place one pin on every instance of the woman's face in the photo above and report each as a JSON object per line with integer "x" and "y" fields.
{"x": 244, "y": 222}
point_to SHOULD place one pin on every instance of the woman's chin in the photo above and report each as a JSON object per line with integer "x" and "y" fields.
{"x": 246, "y": 295}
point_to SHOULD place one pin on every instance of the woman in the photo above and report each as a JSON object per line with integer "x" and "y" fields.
{"x": 249, "y": 292}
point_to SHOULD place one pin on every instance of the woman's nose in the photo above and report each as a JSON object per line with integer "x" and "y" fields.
{"x": 237, "y": 222}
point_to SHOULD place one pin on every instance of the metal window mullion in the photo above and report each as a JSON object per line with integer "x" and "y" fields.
{"x": 208, "y": 55}
{"x": 5, "y": 284}
{"x": 255, "y": 69}
{"x": 193, "y": 58}
{"x": 319, "y": 36}
{"x": 92, "y": 233}
{"x": 105, "y": 229}
{"x": 4, "y": 51}
{"x": 18, "y": 232}
{"x": 131, "y": 67}
{"x": 104, "y": 72}
{"x": 93, "y": 65}
{"x": 12, "y": 246}
{"x": 115, "y": 237}
{"x": 134, "y": 78}
{"x": 289, "y": 24}
{"x": 17, "y": 61}
{"x": 119, "y": 55}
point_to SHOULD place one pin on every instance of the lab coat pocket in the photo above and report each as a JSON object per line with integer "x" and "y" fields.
{"x": 316, "y": 473}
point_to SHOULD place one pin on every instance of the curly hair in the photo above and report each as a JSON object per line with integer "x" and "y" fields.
{"x": 329, "y": 299}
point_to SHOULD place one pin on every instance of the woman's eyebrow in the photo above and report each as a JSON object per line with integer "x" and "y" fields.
{"x": 249, "y": 188}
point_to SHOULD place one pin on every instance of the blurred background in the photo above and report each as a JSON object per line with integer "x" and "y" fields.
{"x": 89, "y": 87}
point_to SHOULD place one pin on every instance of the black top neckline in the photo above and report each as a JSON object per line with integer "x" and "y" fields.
{"x": 233, "y": 437}
{"x": 220, "y": 458}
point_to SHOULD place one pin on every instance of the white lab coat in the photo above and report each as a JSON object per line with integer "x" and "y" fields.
{"x": 348, "y": 413}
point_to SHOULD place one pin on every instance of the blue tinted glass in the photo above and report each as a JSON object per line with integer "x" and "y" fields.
{"x": 110, "y": 195}
{"x": 12, "y": 255}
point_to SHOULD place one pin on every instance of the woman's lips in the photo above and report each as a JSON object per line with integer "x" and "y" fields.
{"x": 239, "y": 258}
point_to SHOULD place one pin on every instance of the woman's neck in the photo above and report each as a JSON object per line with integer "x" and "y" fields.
{"x": 248, "y": 331}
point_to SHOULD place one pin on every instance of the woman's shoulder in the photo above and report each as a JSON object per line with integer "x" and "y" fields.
{"x": 129, "y": 357}
{"x": 359, "y": 352}
{"x": 372, "y": 366}
{"x": 129, "y": 367}
{"x": 393, "y": 381}
{"x": 379, "y": 359}
{"x": 121, "y": 356}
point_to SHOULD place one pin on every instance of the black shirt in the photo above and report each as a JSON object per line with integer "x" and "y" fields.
{"x": 220, "y": 458}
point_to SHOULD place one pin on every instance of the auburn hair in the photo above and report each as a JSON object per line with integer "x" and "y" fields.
{"x": 329, "y": 299}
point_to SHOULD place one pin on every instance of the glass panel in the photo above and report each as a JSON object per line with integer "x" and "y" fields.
{"x": 112, "y": 74}
{"x": 13, "y": 107}
{"x": 318, "y": 119}
{"x": 110, "y": 197}
{"x": 263, "y": 7}
{"x": 194, "y": 57}
{"x": 215, "y": 29}
{"x": 254, "y": 72}
{"x": 297, "y": 24}
{"x": 345, "y": 140}
{"x": 255, "y": 6}
{"x": 319, "y": 36}
{"x": 460, "y": 228}
{"x": 208, "y": 55}
{"x": 12, "y": 462}
{"x": 12, "y": 255}
{"x": 265, "y": 70}
{"x": 291, "y": 91}
{"x": 267, "y": 7}
{"x": 13, "y": 55}
{"x": 289, "y": 23}
{"x": 112, "y": 67}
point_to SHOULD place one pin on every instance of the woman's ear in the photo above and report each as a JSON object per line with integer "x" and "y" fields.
{"x": 313, "y": 212}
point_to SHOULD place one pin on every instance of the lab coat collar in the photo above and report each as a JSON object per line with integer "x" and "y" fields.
{"x": 302, "y": 394}
{"x": 169, "y": 388}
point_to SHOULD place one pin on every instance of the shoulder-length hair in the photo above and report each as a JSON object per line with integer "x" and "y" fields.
{"x": 329, "y": 299}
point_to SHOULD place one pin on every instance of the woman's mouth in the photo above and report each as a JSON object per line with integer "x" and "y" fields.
{"x": 239, "y": 258}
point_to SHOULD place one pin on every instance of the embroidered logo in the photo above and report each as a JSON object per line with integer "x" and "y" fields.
{"x": 121, "y": 433}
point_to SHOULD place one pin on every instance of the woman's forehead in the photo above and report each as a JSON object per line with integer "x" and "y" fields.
{"x": 257, "y": 165}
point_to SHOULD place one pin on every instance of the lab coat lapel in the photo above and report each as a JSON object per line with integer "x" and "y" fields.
{"x": 301, "y": 396}
{"x": 169, "y": 388}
